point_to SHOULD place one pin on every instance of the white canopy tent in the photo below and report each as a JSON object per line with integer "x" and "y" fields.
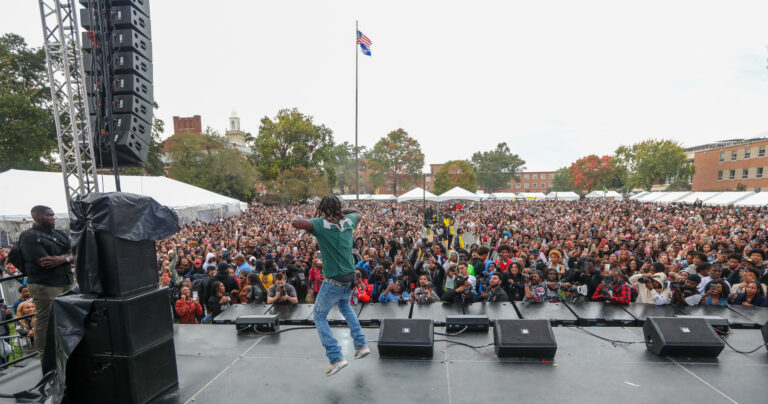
{"x": 605, "y": 195}
{"x": 353, "y": 197}
{"x": 530, "y": 196}
{"x": 757, "y": 199}
{"x": 702, "y": 196}
{"x": 503, "y": 196}
{"x": 383, "y": 197}
{"x": 727, "y": 198}
{"x": 417, "y": 194}
{"x": 638, "y": 195}
{"x": 563, "y": 196}
{"x": 458, "y": 193}
{"x": 670, "y": 197}
{"x": 651, "y": 196}
{"x": 32, "y": 188}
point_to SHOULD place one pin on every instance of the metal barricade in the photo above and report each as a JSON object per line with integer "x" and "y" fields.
{"x": 14, "y": 348}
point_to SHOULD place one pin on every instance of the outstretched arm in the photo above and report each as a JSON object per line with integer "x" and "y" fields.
{"x": 302, "y": 223}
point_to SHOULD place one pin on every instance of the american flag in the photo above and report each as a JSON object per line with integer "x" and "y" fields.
{"x": 364, "y": 42}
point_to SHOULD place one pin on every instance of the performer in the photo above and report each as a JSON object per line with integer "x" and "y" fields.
{"x": 333, "y": 230}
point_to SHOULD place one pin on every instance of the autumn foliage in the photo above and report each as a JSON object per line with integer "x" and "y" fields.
{"x": 590, "y": 172}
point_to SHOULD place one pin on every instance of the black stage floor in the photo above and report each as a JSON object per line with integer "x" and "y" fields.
{"x": 216, "y": 365}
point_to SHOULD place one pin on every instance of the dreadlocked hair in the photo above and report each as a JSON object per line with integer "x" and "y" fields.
{"x": 330, "y": 208}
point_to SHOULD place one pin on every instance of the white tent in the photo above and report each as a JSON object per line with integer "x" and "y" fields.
{"x": 727, "y": 198}
{"x": 25, "y": 189}
{"x": 383, "y": 197}
{"x": 563, "y": 196}
{"x": 758, "y": 199}
{"x": 530, "y": 196}
{"x": 353, "y": 197}
{"x": 417, "y": 194}
{"x": 458, "y": 193}
{"x": 503, "y": 196}
{"x": 638, "y": 195}
{"x": 702, "y": 196}
{"x": 670, "y": 197}
{"x": 605, "y": 195}
{"x": 651, "y": 196}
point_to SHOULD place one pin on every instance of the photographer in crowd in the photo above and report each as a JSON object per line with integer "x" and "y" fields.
{"x": 686, "y": 293}
{"x": 394, "y": 293}
{"x": 281, "y": 292}
{"x": 425, "y": 294}
{"x": 651, "y": 288}
{"x": 613, "y": 289}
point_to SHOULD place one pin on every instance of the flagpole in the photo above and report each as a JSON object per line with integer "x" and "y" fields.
{"x": 357, "y": 169}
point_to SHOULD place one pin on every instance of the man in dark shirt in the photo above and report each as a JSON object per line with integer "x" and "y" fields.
{"x": 47, "y": 256}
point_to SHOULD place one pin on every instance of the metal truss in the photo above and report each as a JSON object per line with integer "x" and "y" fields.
{"x": 68, "y": 92}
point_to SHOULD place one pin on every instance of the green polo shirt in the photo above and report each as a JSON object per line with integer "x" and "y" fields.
{"x": 335, "y": 244}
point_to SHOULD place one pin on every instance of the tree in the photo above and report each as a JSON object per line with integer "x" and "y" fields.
{"x": 154, "y": 164}
{"x": 679, "y": 185}
{"x": 562, "y": 181}
{"x": 27, "y": 131}
{"x": 591, "y": 171}
{"x": 497, "y": 167}
{"x": 288, "y": 141}
{"x": 207, "y": 160}
{"x": 397, "y": 156}
{"x": 654, "y": 162}
{"x": 455, "y": 173}
{"x": 297, "y": 185}
{"x": 740, "y": 187}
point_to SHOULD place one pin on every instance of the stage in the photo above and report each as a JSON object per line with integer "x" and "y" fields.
{"x": 215, "y": 364}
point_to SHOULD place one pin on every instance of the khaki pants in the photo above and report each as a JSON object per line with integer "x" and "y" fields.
{"x": 42, "y": 297}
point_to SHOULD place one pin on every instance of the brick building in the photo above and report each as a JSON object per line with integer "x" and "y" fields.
{"x": 531, "y": 181}
{"x": 722, "y": 166}
{"x": 191, "y": 124}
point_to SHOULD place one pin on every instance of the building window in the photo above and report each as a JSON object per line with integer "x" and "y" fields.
{"x": 525, "y": 176}
{"x": 534, "y": 185}
{"x": 759, "y": 173}
{"x": 734, "y": 155}
{"x": 535, "y": 176}
{"x": 526, "y": 185}
{"x": 517, "y": 186}
{"x": 551, "y": 176}
{"x": 745, "y": 173}
{"x": 543, "y": 185}
{"x": 719, "y": 175}
{"x": 722, "y": 156}
{"x": 429, "y": 187}
{"x": 412, "y": 187}
{"x": 747, "y": 153}
{"x": 732, "y": 175}
{"x": 389, "y": 187}
{"x": 761, "y": 151}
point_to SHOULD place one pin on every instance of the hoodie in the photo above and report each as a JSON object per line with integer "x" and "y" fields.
{"x": 206, "y": 264}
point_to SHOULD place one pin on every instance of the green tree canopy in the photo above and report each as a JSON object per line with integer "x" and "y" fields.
{"x": 495, "y": 168}
{"x": 288, "y": 141}
{"x": 208, "y": 161}
{"x": 27, "y": 132}
{"x": 455, "y": 173}
{"x": 397, "y": 156}
{"x": 562, "y": 181}
{"x": 653, "y": 162}
{"x": 297, "y": 185}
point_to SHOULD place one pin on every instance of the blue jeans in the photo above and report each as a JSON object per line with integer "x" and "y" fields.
{"x": 326, "y": 298}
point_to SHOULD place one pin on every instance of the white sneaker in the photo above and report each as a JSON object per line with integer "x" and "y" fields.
{"x": 335, "y": 368}
{"x": 362, "y": 353}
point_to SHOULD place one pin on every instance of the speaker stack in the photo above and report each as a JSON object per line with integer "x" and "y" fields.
{"x": 127, "y": 354}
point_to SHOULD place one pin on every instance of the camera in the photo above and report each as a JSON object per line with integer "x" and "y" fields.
{"x": 711, "y": 286}
{"x": 567, "y": 289}
{"x": 526, "y": 276}
{"x": 677, "y": 285}
{"x": 644, "y": 280}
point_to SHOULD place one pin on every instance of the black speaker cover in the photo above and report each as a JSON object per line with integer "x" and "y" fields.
{"x": 672, "y": 336}
{"x": 123, "y": 326}
{"x": 126, "y": 266}
{"x": 764, "y": 330}
{"x": 136, "y": 378}
{"x": 406, "y": 337}
{"x": 524, "y": 338}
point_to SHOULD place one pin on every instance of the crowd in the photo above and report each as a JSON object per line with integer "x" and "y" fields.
{"x": 549, "y": 251}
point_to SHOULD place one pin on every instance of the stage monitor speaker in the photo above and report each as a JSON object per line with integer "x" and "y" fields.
{"x": 134, "y": 379}
{"x": 406, "y": 337}
{"x": 672, "y": 336}
{"x": 259, "y": 323}
{"x": 125, "y": 325}
{"x": 524, "y": 338}
{"x": 126, "y": 266}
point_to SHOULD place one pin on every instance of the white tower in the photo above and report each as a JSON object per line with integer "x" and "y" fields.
{"x": 233, "y": 133}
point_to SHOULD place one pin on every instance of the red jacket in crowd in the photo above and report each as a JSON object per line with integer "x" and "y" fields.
{"x": 187, "y": 310}
{"x": 316, "y": 279}
{"x": 363, "y": 294}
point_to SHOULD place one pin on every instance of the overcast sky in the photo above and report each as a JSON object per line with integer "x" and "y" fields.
{"x": 557, "y": 80}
